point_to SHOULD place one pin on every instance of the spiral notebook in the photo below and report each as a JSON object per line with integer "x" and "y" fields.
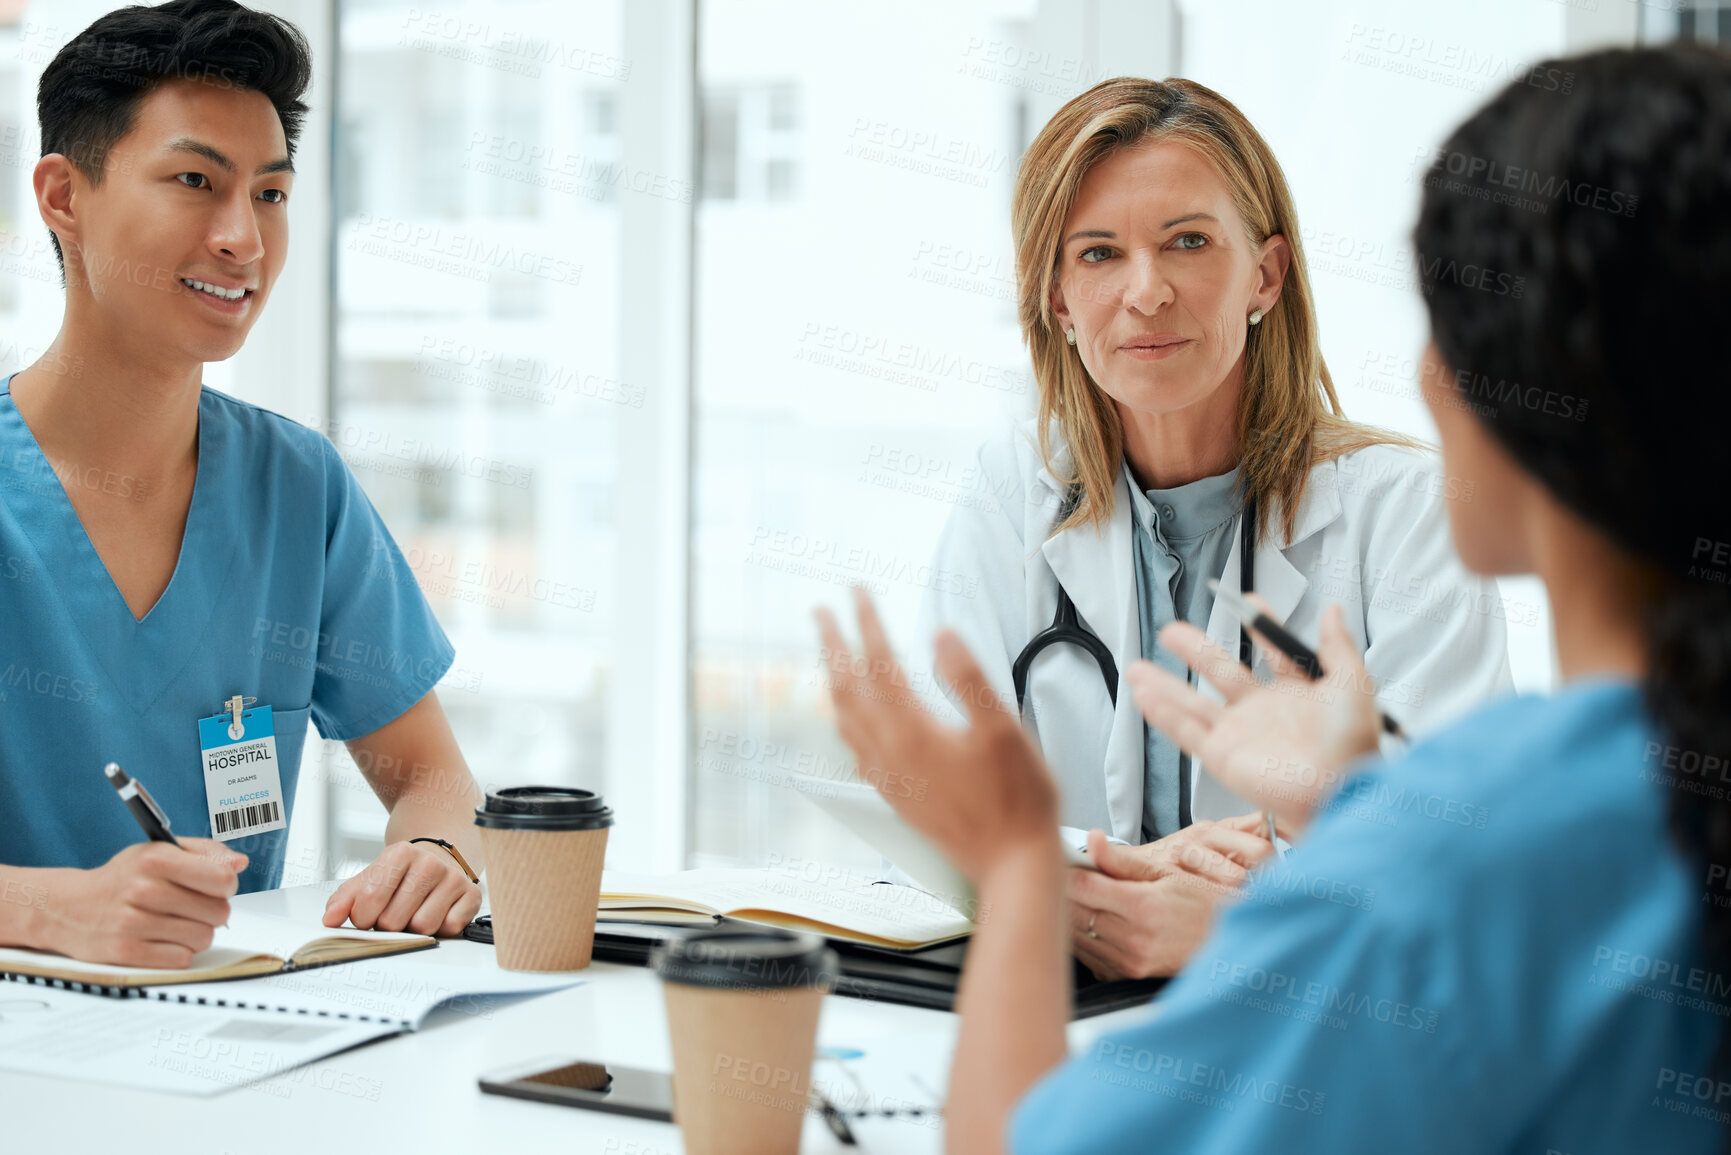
{"x": 251, "y": 944}
{"x": 203, "y": 1038}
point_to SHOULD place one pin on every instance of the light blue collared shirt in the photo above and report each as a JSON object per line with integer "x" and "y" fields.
{"x": 1183, "y": 537}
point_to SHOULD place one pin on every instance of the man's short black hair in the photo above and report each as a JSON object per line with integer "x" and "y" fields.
{"x": 90, "y": 92}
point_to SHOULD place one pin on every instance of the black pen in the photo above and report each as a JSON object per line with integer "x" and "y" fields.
{"x": 1283, "y": 640}
{"x": 142, "y": 805}
{"x": 836, "y": 1121}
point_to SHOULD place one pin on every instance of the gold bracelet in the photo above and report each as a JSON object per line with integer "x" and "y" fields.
{"x": 455, "y": 853}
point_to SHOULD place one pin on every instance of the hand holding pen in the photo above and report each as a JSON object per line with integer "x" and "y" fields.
{"x": 145, "y": 811}
{"x": 1285, "y": 745}
{"x": 1257, "y": 620}
{"x": 154, "y": 904}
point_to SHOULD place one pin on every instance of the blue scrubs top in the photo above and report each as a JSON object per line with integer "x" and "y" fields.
{"x": 1489, "y": 946}
{"x": 289, "y": 589}
{"x": 1183, "y": 536}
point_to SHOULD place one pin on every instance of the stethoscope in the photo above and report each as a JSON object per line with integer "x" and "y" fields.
{"x": 1067, "y": 628}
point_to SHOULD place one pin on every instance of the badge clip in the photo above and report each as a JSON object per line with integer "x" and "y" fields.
{"x": 235, "y": 705}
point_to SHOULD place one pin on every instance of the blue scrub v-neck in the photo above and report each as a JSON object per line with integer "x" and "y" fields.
{"x": 161, "y": 638}
{"x": 288, "y": 590}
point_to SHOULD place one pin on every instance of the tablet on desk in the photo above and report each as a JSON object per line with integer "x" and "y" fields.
{"x": 864, "y": 811}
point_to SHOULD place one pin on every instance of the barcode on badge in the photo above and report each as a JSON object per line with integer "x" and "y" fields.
{"x": 246, "y": 817}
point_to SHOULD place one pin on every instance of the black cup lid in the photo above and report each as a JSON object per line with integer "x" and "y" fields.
{"x": 543, "y": 808}
{"x": 746, "y": 958}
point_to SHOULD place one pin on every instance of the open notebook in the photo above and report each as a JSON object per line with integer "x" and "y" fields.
{"x": 881, "y": 914}
{"x": 251, "y": 944}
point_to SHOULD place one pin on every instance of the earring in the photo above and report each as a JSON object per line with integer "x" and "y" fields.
{"x": 1256, "y": 316}
{"x": 1070, "y": 335}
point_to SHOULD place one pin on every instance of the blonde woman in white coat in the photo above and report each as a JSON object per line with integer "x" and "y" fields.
{"x": 1165, "y": 302}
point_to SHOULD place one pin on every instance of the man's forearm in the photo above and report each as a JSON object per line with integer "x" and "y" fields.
{"x": 414, "y": 766}
{"x": 449, "y": 815}
{"x": 1014, "y": 998}
{"x": 25, "y": 893}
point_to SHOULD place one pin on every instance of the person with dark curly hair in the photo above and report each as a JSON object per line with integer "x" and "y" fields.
{"x": 1517, "y": 937}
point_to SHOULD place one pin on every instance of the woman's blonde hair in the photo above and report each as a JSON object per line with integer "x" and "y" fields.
{"x": 1289, "y": 417}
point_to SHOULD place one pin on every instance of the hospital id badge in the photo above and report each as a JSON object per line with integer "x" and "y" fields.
{"x": 242, "y": 787}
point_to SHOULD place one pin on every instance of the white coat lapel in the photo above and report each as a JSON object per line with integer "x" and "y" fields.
{"x": 1095, "y": 567}
{"x": 1282, "y": 586}
{"x": 1278, "y": 581}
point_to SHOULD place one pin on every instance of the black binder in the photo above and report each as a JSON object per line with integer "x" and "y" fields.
{"x": 917, "y": 978}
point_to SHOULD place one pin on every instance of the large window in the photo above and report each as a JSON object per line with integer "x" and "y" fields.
{"x": 477, "y": 390}
{"x": 1704, "y": 20}
{"x": 15, "y": 155}
{"x": 856, "y": 340}
{"x": 29, "y": 276}
{"x": 658, "y": 322}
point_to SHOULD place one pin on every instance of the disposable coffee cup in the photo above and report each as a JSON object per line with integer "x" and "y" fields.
{"x": 544, "y": 848}
{"x": 742, "y": 1007}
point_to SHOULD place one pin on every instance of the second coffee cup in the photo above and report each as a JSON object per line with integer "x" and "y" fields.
{"x": 544, "y": 848}
{"x": 742, "y": 1009}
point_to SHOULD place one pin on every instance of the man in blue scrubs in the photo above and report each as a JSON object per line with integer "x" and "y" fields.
{"x": 170, "y": 556}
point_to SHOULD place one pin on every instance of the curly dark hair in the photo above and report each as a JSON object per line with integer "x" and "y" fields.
{"x": 1575, "y": 251}
{"x": 90, "y": 92}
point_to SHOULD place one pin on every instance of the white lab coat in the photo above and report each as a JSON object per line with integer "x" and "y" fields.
{"x": 1372, "y": 533}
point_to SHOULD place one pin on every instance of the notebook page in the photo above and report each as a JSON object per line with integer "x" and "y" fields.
{"x": 189, "y": 1050}
{"x": 883, "y": 910}
{"x": 14, "y": 960}
{"x": 282, "y": 937}
{"x": 891, "y": 1089}
{"x": 399, "y": 990}
{"x": 246, "y": 936}
{"x": 690, "y": 887}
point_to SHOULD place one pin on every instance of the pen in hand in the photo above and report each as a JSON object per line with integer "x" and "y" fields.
{"x": 138, "y": 800}
{"x": 1283, "y": 640}
{"x": 145, "y": 811}
{"x": 1273, "y": 837}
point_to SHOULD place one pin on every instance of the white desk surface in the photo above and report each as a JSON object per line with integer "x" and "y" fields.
{"x": 417, "y": 1092}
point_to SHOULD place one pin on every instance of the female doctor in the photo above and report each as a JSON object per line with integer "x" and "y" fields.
{"x": 1187, "y": 429}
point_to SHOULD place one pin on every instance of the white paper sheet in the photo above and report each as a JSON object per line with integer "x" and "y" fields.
{"x": 891, "y": 1089}
{"x": 245, "y": 1030}
{"x": 395, "y": 990}
{"x": 134, "y": 1042}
